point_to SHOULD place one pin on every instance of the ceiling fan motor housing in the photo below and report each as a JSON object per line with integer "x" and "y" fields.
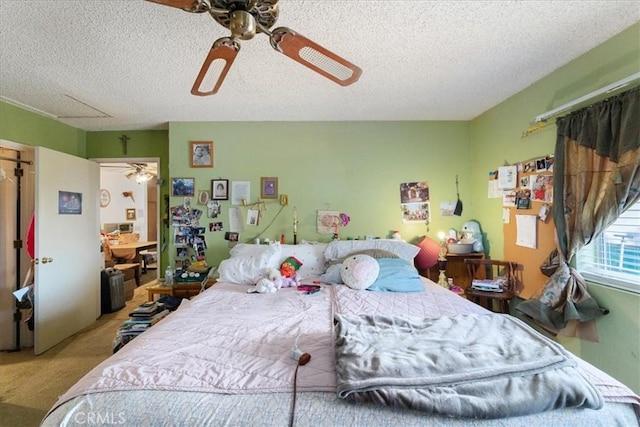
{"x": 264, "y": 12}
{"x": 242, "y": 25}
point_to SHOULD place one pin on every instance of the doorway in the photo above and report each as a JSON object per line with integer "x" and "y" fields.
{"x": 129, "y": 201}
{"x": 16, "y": 208}
{"x": 65, "y": 248}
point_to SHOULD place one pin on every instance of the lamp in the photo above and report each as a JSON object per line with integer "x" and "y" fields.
{"x": 442, "y": 261}
{"x": 142, "y": 176}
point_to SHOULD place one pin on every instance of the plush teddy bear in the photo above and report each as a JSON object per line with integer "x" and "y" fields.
{"x": 280, "y": 280}
{"x": 272, "y": 279}
{"x": 263, "y": 286}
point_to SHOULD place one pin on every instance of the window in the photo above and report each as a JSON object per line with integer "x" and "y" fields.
{"x": 613, "y": 258}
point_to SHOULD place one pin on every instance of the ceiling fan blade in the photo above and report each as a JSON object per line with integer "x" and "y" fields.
{"x": 221, "y": 55}
{"x": 314, "y": 56}
{"x": 180, "y": 4}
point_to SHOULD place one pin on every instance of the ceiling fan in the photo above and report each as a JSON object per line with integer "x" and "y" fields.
{"x": 142, "y": 172}
{"x": 245, "y": 18}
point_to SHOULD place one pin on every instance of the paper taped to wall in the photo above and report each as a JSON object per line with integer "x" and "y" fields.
{"x": 526, "y": 227}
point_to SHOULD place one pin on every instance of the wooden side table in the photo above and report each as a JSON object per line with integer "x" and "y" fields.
{"x": 158, "y": 290}
{"x": 179, "y": 290}
{"x": 456, "y": 269}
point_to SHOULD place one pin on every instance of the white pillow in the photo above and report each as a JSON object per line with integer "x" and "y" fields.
{"x": 246, "y": 249}
{"x": 310, "y": 255}
{"x": 341, "y": 248}
{"x": 247, "y": 269}
{"x": 359, "y": 271}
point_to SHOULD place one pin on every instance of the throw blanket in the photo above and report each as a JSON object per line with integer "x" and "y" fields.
{"x": 475, "y": 366}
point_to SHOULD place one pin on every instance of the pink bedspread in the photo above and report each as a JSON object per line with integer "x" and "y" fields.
{"x": 228, "y": 341}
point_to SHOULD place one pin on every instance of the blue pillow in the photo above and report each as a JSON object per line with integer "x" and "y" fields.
{"x": 397, "y": 275}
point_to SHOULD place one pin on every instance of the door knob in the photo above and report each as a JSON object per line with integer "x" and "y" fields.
{"x": 46, "y": 260}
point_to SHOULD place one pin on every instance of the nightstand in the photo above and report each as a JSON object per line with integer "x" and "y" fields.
{"x": 456, "y": 269}
{"x": 179, "y": 290}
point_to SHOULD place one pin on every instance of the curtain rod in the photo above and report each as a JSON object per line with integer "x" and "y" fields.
{"x": 607, "y": 89}
{"x": 29, "y": 162}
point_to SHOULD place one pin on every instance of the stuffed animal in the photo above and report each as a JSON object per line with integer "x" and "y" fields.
{"x": 272, "y": 279}
{"x": 280, "y": 280}
{"x": 290, "y": 266}
{"x": 263, "y": 286}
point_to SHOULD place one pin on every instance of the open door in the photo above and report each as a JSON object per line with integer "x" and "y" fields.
{"x": 67, "y": 246}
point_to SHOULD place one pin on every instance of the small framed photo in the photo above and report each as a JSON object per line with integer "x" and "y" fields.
{"x": 183, "y": 186}
{"x": 130, "y": 214}
{"x": 231, "y": 236}
{"x": 203, "y": 197}
{"x": 253, "y": 217}
{"x": 201, "y": 154}
{"x": 268, "y": 188}
{"x": 219, "y": 189}
{"x": 69, "y": 203}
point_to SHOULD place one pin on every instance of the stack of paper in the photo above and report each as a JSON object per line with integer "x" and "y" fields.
{"x": 486, "y": 285}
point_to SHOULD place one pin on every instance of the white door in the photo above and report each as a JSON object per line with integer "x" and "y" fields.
{"x": 67, "y": 246}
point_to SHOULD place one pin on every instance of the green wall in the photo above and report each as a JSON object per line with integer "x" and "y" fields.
{"x": 32, "y": 129}
{"x": 500, "y": 129}
{"x": 350, "y": 167}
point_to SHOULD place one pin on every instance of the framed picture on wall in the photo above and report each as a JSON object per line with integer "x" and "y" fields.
{"x": 183, "y": 186}
{"x": 69, "y": 203}
{"x": 268, "y": 188}
{"x": 130, "y": 214}
{"x": 203, "y": 197}
{"x": 219, "y": 189}
{"x": 201, "y": 154}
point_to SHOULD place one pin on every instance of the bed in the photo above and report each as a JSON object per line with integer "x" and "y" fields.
{"x": 395, "y": 355}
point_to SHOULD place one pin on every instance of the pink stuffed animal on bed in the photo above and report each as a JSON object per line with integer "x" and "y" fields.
{"x": 272, "y": 281}
{"x": 280, "y": 280}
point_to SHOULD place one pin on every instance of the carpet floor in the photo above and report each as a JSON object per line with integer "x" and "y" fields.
{"x": 30, "y": 385}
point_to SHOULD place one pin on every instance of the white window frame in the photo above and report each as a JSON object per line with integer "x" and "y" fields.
{"x": 596, "y": 270}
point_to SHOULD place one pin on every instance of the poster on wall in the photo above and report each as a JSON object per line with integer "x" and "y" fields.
{"x": 447, "y": 208}
{"x": 526, "y": 231}
{"x": 69, "y": 203}
{"x": 328, "y": 222}
{"x": 414, "y": 202}
{"x": 507, "y": 177}
{"x": 416, "y": 212}
{"x": 543, "y": 188}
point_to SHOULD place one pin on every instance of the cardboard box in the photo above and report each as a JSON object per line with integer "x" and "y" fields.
{"x": 129, "y": 287}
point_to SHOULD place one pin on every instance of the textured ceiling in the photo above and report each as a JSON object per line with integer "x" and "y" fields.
{"x": 125, "y": 65}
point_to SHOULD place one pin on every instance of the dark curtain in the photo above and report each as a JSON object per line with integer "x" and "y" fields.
{"x": 596, "y": 178}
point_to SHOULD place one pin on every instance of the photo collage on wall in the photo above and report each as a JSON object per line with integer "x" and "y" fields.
{"x": 188, "y": 236}
{"x": 414, "y": 202}
{"x": 534, "y": 183}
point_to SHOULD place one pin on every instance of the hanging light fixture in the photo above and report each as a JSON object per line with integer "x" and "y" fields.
{"x": 143, "y": 176}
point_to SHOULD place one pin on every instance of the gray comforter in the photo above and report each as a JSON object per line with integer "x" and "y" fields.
{"x": 458, "y": 366}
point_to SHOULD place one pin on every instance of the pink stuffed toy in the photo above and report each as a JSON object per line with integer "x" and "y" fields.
{"x": 288, "y": 271}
